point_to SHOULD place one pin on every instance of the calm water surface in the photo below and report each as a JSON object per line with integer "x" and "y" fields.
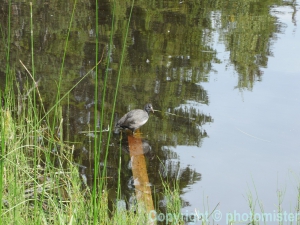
{"x": 253, "y": 144}
{"x": 229, "y": 69}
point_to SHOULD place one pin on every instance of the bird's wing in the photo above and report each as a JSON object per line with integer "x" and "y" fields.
{"x": 130, "y": 118}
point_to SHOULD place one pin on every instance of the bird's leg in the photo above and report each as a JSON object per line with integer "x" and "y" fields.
{"x": 136, "y": 134}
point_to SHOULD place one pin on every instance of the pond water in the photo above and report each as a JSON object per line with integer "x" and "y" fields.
{"x": 228, "y": 70}
{"x": 253, "y": 144}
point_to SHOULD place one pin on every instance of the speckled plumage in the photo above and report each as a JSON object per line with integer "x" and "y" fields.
{"x": 134, "y": 119}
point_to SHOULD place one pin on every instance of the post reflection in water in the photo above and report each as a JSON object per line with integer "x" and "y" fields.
{"x": 137, "y": 148}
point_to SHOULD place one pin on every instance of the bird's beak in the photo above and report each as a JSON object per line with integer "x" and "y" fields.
{"x": 152, "y": 109}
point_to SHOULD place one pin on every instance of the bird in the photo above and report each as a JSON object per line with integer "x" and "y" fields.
{"x": 134, "y": 119}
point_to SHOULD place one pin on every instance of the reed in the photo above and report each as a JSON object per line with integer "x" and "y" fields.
{"x": 96, "y": 143}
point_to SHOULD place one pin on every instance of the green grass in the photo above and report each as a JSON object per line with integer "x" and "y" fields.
{"x": 173, "y": 203}
{"x": 41, "y": 184}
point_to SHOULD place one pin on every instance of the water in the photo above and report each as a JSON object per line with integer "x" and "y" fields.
{"x": 253, "y": 145}
{"x": 229, "y": 69}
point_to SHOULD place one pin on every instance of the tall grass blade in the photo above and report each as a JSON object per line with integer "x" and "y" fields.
{"x": 96, "y": 152}
{"x": 63, "y": 63}
{"x": 2, "y": 119}
{"x": 116, "y": 91}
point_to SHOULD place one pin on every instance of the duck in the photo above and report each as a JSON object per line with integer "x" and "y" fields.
{"x": 134, "y": 119}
